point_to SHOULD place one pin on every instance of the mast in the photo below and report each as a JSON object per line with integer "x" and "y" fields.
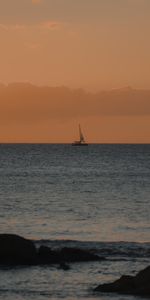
{"x": 81, "y": 141}
{"x": 81, "y": 135}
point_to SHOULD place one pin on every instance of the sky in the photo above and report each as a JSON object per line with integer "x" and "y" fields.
{"x": 90, "y": 44}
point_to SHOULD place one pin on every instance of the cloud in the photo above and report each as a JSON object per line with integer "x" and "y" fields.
{"x": 50, "y": 25}
{"x": 42, "y": 114}
{"x": 46, "y": 25}
{"x": 61, "y": 103}
{"x": 13, "y": 27}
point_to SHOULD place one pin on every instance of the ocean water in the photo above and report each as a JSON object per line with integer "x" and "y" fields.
{"x": 95, "y": 197}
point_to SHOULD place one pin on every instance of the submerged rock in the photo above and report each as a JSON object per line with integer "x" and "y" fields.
{"x": 133, "y": 285}
{"x": 15, "y": 250}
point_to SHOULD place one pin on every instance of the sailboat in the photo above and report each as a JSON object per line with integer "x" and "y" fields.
{"x": 81, "y": 141}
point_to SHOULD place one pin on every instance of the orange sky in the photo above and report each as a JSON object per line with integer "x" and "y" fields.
{"x": 90, "y": 44}
{"x": 52, "y": 114}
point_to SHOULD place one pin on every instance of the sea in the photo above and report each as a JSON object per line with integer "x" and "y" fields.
{"x": 95, "y": 197}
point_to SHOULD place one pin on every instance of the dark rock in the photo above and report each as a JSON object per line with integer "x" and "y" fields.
{"x": 121, "y": 285}
{"x": 45, "y": 251}
{"x": 16, "y": 250}
{"x": 134, "y": 285}
{"x": 143, "y": 276}
{"x": 48, "y": 256}
{"x": 64, "y": 266}
{"x": 77, "y": 255}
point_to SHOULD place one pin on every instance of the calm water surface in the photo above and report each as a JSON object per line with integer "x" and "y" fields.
{"x": 95, "y": 197}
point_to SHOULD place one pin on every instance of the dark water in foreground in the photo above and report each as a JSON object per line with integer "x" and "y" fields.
{"x": 95, "y": 197}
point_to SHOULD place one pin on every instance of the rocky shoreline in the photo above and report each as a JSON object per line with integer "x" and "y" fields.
{"x": 16, "y": 250}
{"x": 138, "y": 285}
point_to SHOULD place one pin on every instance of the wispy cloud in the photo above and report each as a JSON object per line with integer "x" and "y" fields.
{"x": 14, "y": 27}
{"x": 46, "y": 25}
{"x": 50, "y": 25}
{"x": 41, "y": 103}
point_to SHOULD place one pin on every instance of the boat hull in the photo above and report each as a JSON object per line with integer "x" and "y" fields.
{"x": 79, "y": 144}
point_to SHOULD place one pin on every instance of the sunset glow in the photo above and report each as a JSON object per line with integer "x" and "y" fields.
{"x": 97, "y": 49}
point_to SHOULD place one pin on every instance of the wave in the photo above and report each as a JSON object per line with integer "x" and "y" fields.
{"x": 24, "y": 292}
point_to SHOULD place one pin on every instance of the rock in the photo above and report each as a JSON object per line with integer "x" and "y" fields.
{"x": 64, "y": 266}
{"x": 77, "y": 255}
{"x": 143, "y": 277}
{"x": 48, "y": 256}
{"x": 121, "y": 285}
{"x": 133, "y": 285}
{"x": 16, "y": 250}
{"x": 45, "y": 251}
{"x": 142, "y": 282}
